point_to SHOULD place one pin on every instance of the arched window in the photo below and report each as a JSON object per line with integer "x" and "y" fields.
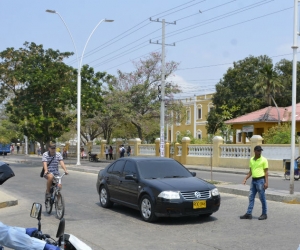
{"x": 210, "y": 107}
{"x": 199, "y": 111}
{"x": 199, "y": 134}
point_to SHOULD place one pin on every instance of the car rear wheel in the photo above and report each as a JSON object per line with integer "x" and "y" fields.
{"x": 147, "y": 209}
{"x": 104, "y": 198}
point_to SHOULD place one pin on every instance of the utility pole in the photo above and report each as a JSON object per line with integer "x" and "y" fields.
{"x": 162, "y": 87}
{"x": 294, "y": 90}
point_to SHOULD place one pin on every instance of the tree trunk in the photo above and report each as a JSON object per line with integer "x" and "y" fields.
{"x": 139, "y": 130}
{"x": 276, "y": 108}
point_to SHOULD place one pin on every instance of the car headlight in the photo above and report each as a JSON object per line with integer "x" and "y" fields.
{"x": 169, "y": 195}
{"x": 215, "y": 192}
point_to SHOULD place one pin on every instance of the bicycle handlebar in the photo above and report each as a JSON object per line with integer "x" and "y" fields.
{"x": 58, "y": 178}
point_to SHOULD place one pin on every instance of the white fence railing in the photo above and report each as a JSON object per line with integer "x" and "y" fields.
{"x": 235, "y": 151}
{"x": 147, "y": 149}
{"x": 196, "y": 150}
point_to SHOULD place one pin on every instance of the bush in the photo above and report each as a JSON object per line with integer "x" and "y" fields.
{"x": 280, "y": 134}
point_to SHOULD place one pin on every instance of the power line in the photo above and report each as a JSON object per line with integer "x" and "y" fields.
{"x": 205, "y": 10}
{"x": 182, "y": 9}
{"x": 216, "y": 65}
{"x": 230, "y": 25}
{"x": 99, "y": 47}
{"x": 214, "y": 19}
{"x": 147, "y": 54}
{"x": 142, "y": 37}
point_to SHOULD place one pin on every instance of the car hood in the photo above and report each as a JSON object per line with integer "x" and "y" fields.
{"x": 181, "y": 184}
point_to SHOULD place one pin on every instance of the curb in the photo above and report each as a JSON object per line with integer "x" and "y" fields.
{"x": 271, "y": 194}
{"x": 231, "y": 172}
{"x": 7, "y": 200}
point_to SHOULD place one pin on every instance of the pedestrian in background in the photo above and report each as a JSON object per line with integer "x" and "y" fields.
{"x": 259, "y": 171}
{"x": 12, "y": 148}
{"x": 128, "y": 150}
{"x": 110, "y": 152}
{"x": 122, "y": 151}
{"x": 18, "y": 149}
{"x": 106, "y": 152}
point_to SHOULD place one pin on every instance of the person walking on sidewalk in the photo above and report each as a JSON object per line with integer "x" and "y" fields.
{"x": 106, "y": 153}
{"x": 110, "y": 152}
{"x": 259, "y": 171}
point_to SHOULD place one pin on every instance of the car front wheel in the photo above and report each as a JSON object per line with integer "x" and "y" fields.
{"x": 147, "y": 209}
{"x": 104, "y": 198}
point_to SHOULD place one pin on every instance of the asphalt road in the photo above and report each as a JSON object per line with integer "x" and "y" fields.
{"x": 123, "y": 228}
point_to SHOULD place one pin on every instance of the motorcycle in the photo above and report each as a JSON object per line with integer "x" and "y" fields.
{"x": 65, "y": 241}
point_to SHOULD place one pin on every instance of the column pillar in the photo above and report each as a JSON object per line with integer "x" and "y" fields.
{"x": 167, "y": 150}
{"x": 102, "y": 149}
{"x": 185, "y": 143}
{"x": 255, "y": 140}
{"x": 217, "y": 141}
{"x": 157, "y": 144}
{"x": 134, "y": 144}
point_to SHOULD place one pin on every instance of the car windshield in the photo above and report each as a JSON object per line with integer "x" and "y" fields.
{"x": 162, "y": 169}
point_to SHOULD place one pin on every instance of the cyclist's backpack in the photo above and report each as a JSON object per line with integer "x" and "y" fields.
{"x": 123, "y": 150}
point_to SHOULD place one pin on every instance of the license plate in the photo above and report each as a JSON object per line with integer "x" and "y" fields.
{"x": 199, "y": 204}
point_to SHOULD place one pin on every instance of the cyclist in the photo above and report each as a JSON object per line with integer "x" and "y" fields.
{"x": 50, "y": 161}
{"x": 17, "y": 237}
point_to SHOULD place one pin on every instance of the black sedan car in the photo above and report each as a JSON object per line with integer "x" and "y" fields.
{"x": 157, "y": 187}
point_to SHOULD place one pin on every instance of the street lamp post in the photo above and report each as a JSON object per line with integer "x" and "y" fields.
{"x": 294, "y": 90}
{"x": 78, "y": 77}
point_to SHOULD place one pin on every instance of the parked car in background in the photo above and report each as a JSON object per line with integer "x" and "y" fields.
{"x": 157, "y": 187}
{"x": 4, "y": 148}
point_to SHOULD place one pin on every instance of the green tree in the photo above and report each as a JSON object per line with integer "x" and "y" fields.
{"x": 41, "y": 104}
{"x": 284, "y": 70}
{"x": 92, "y": 102}
{"x": 235, "y": 90}
{"x": 269, "y": 84}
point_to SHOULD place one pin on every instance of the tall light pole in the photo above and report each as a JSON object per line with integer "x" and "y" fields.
{"x": 78, "y": 77}
{"x": 294, "y": 90}
{"x": 162, "y": 86}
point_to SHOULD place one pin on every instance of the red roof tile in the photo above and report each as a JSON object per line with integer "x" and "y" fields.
{"x": 268, "y": 114}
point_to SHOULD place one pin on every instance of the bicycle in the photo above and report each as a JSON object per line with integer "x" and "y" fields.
{"x": 56, "y": 198}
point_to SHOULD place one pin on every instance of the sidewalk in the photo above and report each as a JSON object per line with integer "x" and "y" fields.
{"x": 237, "y": 189}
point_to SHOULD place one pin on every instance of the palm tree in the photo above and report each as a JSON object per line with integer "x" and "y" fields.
{"x": 268, "y": 85}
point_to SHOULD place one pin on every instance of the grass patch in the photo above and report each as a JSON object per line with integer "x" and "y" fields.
{"x": 213, "y": 182}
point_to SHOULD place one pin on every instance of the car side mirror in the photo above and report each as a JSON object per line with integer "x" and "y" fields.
{"x": 193, "y": 174}
{"x": 130, "y": 177}
{"x": 36, "y": 211}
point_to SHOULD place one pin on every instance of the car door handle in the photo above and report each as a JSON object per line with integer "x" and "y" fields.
{"x": 107, "y": 178}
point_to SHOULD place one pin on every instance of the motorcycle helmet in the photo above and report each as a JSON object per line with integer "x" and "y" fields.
{"x": 5, "y": 172}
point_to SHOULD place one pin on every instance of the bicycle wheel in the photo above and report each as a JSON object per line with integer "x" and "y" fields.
{"x": 48, "y": 205}
{"x": 60, "y": 206}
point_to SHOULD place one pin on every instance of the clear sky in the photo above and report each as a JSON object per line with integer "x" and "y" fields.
{"x": 209, "y": 34}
